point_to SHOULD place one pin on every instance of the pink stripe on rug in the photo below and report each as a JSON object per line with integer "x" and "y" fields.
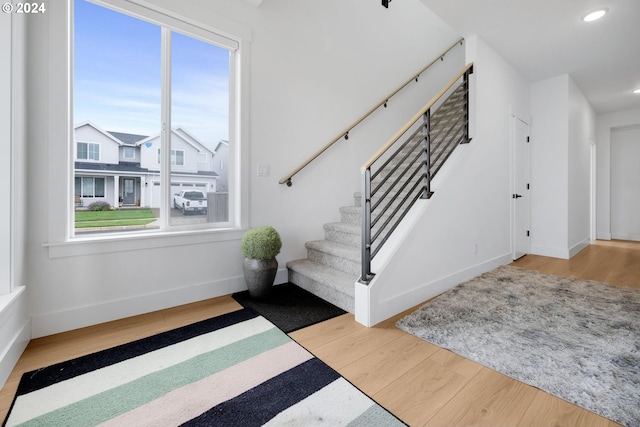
{"x": 186, "y": 403}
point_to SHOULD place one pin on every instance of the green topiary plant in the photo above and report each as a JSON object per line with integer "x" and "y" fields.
{"x": 261, "y": 243}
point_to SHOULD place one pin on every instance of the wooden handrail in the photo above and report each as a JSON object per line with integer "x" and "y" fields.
{"x": 418, "y": 115}
{"x": 345, "y": 133}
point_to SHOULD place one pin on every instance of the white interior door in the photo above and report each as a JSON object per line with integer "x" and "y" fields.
{"x": 520, "y": 197}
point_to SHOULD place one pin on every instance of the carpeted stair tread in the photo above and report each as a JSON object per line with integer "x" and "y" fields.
{"x": 348, "y": 234}
{"x": 351, "y": 214}
{"x": 334, "y": 248}
{"x": 342, "y": 257}
{"x": 330, "y": 284}
{"x": 343, "y": 228}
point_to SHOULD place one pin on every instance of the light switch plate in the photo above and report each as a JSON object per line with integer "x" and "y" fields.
{"x": 263, "y": 170}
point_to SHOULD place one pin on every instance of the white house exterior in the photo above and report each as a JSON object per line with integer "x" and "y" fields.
{"x": 125, "y": 168}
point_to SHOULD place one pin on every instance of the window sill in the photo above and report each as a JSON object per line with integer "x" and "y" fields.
{"x": 128, "y": 242}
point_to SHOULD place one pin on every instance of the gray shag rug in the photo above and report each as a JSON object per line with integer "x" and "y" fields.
{"x": 578, "y": 340}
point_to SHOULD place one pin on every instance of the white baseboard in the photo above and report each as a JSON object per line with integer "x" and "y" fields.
{"x": 574, "y": 250}
{"x": 15, "y": 331}
{"x": 550, "y": 252}
{"x": 563, "y": 253}
{"x": 381, "y": 310}
{"x": 625, "y": 236}
{"x": 79, "y": 317}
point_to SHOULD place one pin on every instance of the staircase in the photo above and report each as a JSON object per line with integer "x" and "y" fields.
{"x": 333, "y": 265}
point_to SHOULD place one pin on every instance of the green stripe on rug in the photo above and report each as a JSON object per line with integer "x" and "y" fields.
{"x": 119, "y": 400}
{"x": 375, "y": 415}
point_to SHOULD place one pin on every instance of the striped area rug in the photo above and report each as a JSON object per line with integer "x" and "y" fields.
{"x": 233, "y": 370}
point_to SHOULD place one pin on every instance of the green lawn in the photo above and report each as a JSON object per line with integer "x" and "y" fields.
{"x": 86, "y": 219}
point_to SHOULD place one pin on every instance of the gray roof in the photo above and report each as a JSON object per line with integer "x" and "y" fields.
{"x": 127, "y": 138}
{"x": 120, "y": 167}
{"x": 199, "y": 173}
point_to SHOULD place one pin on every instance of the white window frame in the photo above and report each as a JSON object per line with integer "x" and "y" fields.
{"x": 58, "y": 33}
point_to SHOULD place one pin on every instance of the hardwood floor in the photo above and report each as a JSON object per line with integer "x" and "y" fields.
{"x": 422, "y": 384}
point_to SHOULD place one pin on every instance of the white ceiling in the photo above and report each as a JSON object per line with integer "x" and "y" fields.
{"x": 547, "y": 38}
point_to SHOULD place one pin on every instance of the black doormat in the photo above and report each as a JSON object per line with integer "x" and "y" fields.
{"x": 290, "y": 307}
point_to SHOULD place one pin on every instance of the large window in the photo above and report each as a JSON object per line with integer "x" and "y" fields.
{"x": 165, "y": 89}
{"x": 89, "y": 186}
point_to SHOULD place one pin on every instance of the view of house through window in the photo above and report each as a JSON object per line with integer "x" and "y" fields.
{"x": 144, "y": 159}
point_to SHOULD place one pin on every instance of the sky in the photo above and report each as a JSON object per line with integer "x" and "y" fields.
{"x": 117, "y": 77}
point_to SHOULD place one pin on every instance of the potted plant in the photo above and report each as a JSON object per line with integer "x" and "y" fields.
{"x": 260, "y": 246}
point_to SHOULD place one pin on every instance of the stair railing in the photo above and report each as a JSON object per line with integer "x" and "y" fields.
{"x": 345, "y": 133}
{"x": 400, "y": 173}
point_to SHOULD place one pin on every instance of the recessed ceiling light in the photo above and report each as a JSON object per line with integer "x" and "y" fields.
{"x": 637, "y": 91}
{"x": 595, "y": 15}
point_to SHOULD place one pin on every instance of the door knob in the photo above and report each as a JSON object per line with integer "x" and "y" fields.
{"x": 516, "y": 196}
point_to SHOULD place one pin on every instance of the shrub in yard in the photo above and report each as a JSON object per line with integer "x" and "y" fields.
{"x": 99, "y": 206}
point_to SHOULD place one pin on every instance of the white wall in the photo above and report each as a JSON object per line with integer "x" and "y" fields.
{"x": 471, "y": 205}
{"x": 605, "y": 125}
{"x": 14, "y": 314}
{"x": 582, "y": 119}
{"x": 315, "y": 66}
{"x": 625, "y": 183}
{"x": 327, "y": 63}
{"x": 5, "y": 141}
{"x": 563, "y": 124}
{"x": 549, "y": 159}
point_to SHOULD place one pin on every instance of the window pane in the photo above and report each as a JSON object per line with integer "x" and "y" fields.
{"x": 99, "y": 187}
{"x": 94, "y": 152}
{"x": 87, "y": 187}
{"x": 117, "y": 75}
{"x": 82, "y": 151}
{"x": 118, "y": 102}
{"x": 180, "y": 158}
{"x": 200, "y": 116}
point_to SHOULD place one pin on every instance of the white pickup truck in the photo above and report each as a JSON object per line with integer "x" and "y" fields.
{"x": 190, "y": 201}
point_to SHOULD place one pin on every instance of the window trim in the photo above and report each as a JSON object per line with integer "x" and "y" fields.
{"x": 59, "y": 134}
